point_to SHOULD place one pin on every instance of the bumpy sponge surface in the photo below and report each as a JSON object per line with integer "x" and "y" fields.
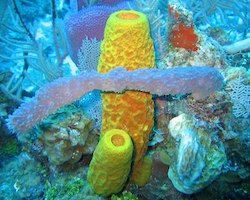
{"x": 111, "y": 163}
{"x": 127, "y": 43}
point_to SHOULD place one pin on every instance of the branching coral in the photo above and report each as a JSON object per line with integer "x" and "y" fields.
{"x": 20, "y": 44}
{"x": 225, "y": 13}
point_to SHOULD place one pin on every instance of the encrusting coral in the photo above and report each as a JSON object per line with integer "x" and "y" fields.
{"x": 111, "y": 163}
{"x": 127, "y": 43}
{"x": 182, "y": 35}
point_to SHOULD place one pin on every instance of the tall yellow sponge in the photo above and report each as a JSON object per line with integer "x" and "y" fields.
{"x": 127, "y": 43}
{"x": 111, "y": 163}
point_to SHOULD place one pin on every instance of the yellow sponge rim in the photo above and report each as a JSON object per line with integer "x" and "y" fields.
{"x": 127, "y": 17}
{"x": 117, "y": 140}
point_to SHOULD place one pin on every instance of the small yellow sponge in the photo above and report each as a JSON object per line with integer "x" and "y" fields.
{"x": 141, "y": 174}
{"x": 111, "y": 163}
{"x": 127, "y": 43}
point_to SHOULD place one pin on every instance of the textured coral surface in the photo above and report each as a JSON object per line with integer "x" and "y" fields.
{"x": 127, "y": 43}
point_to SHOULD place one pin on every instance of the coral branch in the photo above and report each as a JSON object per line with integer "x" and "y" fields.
{"x": 238, "y": 46}
{"x": 200, "y": 81}
{"x": 22, "y": 22}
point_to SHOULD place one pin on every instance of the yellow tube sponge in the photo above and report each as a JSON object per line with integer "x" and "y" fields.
{"x": 111, "y": 163}
{"x": 127, "y": 43}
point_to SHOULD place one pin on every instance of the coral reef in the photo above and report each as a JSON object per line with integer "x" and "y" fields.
{"x": 70, "y": 183}
{"x": 159, "y": 186}
{"x": 111, "y": 163}
{"x": 175, "y": 85}
{"x": 195, "y": 48}
{"x": 184, "y": 37}
{"x": 200, "y": 158}
{"x": 240, "y": 96}
{"x": 238, "y": 88}
{"x": 22, "y": 178}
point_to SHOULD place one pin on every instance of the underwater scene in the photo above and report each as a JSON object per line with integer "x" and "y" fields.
{"x": 124, "y": 100}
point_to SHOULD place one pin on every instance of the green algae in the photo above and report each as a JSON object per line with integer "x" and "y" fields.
{"x": 9, "y": 147}
{"x": 125, "y": 196}
{"x": 64, "y": 190}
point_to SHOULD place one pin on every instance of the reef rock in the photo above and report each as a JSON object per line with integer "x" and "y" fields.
{"x": 67, "y": 136}
{"x": 200, "y": 155}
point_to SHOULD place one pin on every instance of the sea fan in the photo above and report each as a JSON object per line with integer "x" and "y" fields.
{"x": 88, "y": 54}
{"x": 240, "y": 96}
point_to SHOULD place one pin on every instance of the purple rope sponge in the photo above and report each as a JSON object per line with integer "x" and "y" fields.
{"x": 200, "y": 81}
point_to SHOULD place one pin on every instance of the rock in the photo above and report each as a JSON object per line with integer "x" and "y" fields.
{"x": 200, "y": 157}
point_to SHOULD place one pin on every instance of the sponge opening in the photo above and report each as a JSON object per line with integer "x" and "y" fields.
{"x": 127, "y": 15}
{"x": 117, "y": 140}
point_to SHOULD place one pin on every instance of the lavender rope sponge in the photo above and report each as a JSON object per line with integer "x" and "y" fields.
{"x": 200, "y": 81}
